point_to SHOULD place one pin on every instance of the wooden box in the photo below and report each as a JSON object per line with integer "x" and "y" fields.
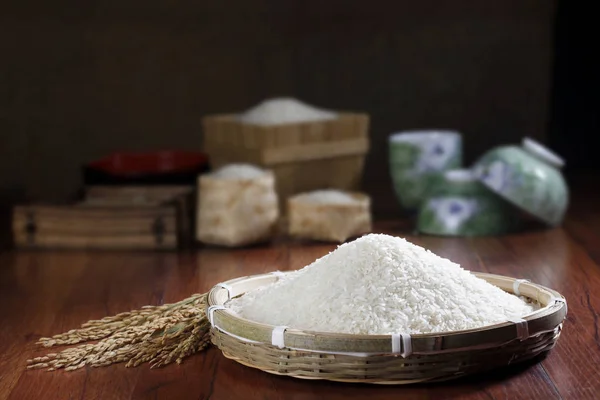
{"x": 111, "y": 217}
{"x": 303, "y": 156}
{"x": 182, "y": 197}
{"x": 80, "y": 226}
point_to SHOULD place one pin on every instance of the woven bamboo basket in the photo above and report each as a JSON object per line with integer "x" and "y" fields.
{"x": 236, "y": 212}
{"x": 303, "y": 156}
{"x": 329, "y": 221}
{"x": 384, "y": 359}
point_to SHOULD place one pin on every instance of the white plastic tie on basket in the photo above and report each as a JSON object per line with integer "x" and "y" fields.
{"x": 401, "y": 344}
{"x": 228, "y": 288}
{"x": 278, "y": 336}
{"x": 278, "y": 274}
{"x": 211, "y": 313}
{"x": 522, "y": 328}
{"x": 561, "y": 300}
{"x": 516, "y": 285}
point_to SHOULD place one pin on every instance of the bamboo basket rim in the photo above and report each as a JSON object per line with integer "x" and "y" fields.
{"x": 543, "y": 320}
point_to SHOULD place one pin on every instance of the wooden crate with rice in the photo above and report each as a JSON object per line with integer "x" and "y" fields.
{"x": 237, "y": 206}
{"x": 328, "y": 215}
{"x": 304, "y": 156}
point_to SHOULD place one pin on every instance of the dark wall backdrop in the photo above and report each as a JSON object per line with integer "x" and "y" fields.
{"x": 574, "y": 115}
{"x": 81, "y": 79}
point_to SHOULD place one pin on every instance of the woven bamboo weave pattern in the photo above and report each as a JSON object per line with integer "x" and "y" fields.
{"x": 369, "y": 358}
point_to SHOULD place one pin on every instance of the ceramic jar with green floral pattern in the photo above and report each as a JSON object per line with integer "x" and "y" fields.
{"x": 527, "y": 176}
{"x": 417, "y": 158}
{"x": 460, "y": 205}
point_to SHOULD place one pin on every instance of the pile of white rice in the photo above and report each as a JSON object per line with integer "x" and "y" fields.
{"x": 380, "y": 284}
{"x": 238, "y": 171}
{"x": 326, "y": 196}
{"x": 284, "y": 111}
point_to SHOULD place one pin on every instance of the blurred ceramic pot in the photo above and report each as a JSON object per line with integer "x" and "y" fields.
{"x": 459, "y": 205}
{"x": 417, "y": 158}
{"x": 528, "y": 176}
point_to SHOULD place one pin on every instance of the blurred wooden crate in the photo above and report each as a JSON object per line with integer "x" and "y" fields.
{"x": 159, "y": 218}
{"x": 183, "y": 197}
{"x": 95, "y": 227}
{"x": 304, "y": 156}
{"x": 135, "y": 194}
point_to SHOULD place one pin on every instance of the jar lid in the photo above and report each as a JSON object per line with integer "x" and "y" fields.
{"x": 542, "y": 152}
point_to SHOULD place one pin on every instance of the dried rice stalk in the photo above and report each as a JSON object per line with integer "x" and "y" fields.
{"x": 155, "y": 334}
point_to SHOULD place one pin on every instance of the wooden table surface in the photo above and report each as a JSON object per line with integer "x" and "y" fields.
{"x": 44, "y": 293}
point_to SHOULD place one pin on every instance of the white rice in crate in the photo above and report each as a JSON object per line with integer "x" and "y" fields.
{"x": 238, "y": 171}
{"x": 284, "y": 111}
{"x": 379, "y": 284}
{"x": 329, "y": 215}
{"x": 327, "y": 196}
{"x": 237, "y": 206}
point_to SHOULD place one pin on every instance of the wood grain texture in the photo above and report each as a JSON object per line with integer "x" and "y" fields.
{"x": 44, "y": 293}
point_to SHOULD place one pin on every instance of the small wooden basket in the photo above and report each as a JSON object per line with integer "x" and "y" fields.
{"x": 236, "y": 212}
{"x": 303, "y": 156}
{"x": 329, "y": 221}
{"x": 384, "y": 359}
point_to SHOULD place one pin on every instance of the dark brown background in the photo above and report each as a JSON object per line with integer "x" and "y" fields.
{"x": 81, "y": 79}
